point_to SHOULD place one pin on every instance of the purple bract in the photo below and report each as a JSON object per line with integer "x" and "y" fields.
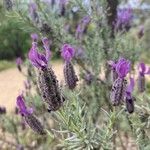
{"x": 143, "y": 69}
{"x": 67, "y": 52}
{"x": 22, "y": 107}
{"x": 38, "y": 59}
{"x": 122, "y": 67}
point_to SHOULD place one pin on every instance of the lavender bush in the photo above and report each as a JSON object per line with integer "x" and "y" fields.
{"x": 100, "y": 107}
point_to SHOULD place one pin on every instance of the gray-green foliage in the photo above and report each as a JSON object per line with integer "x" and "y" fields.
{"x": 87, "y": 120}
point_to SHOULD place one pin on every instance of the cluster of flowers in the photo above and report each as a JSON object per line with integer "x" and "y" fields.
{"x": 47, "y": 81}
{"x": 121, "y": 91}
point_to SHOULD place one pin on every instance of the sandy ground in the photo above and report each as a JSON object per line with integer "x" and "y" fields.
{"x": 12, "y": 83}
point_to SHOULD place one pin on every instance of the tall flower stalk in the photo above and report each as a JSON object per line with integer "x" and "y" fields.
{"x": 47, "y": 81}
{"x": 27, "y": 114}
{"x": 67, "y": 52}
{"x": 129, "y": 98}
{"x": 119, "y": 86}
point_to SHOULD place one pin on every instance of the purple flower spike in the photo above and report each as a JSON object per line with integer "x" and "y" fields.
{"x": 37, "y": 59}
{"x": 124, "y": 18}
{"x": 22, "y": 107}
{"x": 122, "y": 67}
{"x": 34, "y": 37}
{"x": 130, "y": 88}
{"x": 129, "y": 98}
{"x": 67, "y": 52}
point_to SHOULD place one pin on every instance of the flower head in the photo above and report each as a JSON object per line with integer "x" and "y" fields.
{"x": 129, "y": 98}
{"x": 67, "y": 52}
{"x": 124, "y": 17}
{"x": 122, "y": 67}
{"x": 143, "y": 69}
{"x": 37, "y": 59}
{"x": 28, "y": 116}
{"x": 70, "y": 75}
{"x": 22, "y": 107}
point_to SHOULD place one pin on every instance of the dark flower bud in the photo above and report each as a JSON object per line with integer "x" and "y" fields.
{"x": 49, "y": 89}
{"x": 70, "y": 76}
{"x": 34, "y": 124}
{"x": 130, "y": 104}
{"x": 118, "y": 91}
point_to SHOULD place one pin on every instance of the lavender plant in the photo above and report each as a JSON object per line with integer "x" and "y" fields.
{"x": 100, "y": 112}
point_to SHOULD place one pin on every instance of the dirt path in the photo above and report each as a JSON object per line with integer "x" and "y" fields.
{"x": 12, "y": 83}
